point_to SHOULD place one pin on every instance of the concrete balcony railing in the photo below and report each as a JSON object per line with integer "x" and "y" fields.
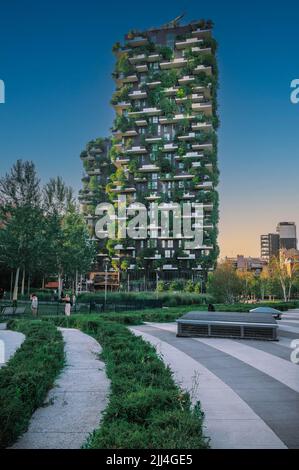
{"x": 137, "y": 150}
{"x": 206, "y": 108}
{"x": 137, "y": 95}
{"x": 153, "y": 139}
{"x": 203, "y": 68}
{"x": 202, "y": 126}
{"x": 153, "y": 57}
{"x": 190, "y": 136}
{"x": 149, "y": 169}
{"x": 141, "y": 68}
{"x": 170, "y": 147}
{"x": 137, "y": 58}
{"x": 186, "y": 79}
{"x": 137, "y": 41}
{"x": 153, "y": 84}
{"x": 189, "y": 155}
{"x": 205, "y": 185}
{"x": 199, "y": 33}
{"x": 178, "y": 62}
{"x": 188, "y": 42}
{"x": 201, "y": 50}
{"x": 147, "y": 111}
{"x": 202, "y": 146}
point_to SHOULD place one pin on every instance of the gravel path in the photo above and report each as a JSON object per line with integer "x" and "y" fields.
{"x": 74, "y": 406}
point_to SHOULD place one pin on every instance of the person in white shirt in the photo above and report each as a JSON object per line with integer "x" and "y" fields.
{"x": 34, "y": 304}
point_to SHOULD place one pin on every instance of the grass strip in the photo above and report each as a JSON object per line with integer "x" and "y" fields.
{"x": 28, "y": 376}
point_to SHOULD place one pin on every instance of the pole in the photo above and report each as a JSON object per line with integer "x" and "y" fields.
{"x": 106, "y": 266}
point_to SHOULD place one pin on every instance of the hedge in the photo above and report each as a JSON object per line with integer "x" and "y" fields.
{"x": 28, "y": 375}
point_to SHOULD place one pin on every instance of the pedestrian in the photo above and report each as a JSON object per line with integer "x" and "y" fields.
{"x": 74, "y": 300}
{"x": 67, "y": 308}
{"x": 34, "y": 304}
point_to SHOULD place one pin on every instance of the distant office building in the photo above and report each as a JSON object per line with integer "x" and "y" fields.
{"x": 247, "y": 264}
{"x": 287, "y": 235}
{"x": 269, "y": 246}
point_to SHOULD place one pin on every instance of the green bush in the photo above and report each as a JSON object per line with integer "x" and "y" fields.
{"x": 146, "y": 409}
{"x": 27, "y": 377}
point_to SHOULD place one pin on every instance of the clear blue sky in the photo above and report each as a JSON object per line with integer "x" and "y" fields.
{"x": 56, "y": 61}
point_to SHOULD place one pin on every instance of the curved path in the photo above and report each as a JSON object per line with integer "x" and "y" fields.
{"x": 249, "y": 390}
{"x": 10, "y": 341}
{"x": 74, "y": 406}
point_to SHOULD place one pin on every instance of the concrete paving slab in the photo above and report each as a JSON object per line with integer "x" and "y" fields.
{"x": 229, "y": 421}
{"x": 73, "y": 408}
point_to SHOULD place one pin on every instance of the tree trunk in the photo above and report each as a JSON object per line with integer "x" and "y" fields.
{"x": 59, "y": 285}
{"x": 11, "y": 285}
{"x": 16, "y": 287}
{"x": 76, "y": 283}
{"x": 23, "y": 282}
{"x": 28, "y": 285}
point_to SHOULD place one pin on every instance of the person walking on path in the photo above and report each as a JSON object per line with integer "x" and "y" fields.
{"x": 34, "y": 304}
{"x": 67, "y": 308}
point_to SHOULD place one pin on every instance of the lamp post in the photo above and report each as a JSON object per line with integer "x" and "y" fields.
{"x": 106, "y": 270}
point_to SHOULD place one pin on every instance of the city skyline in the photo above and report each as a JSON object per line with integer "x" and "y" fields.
{"x": 48, "y": 116}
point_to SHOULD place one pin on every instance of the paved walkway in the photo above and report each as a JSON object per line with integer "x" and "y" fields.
{"x": 249, "y": 390}
{"x": 74, "y": 406}
{"x": 10, "y": 341}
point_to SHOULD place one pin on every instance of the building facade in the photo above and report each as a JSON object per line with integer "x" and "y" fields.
{"x": 164, "y": 145}
{"x": 287, "y": 235}
{"x": 269, "y": 246}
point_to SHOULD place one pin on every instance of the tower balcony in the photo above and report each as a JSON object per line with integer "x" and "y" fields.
{"x": 189, "y": 155}
{"x": 119, "y": 107}
{"x": 141, "y": 68}
{"x": 178, "y": 62}
{"x": 186, "y": 79}
{"x": 137, "y": 95}
{"x": 201, "y": 33}
{"x": 153, "y": 84}
{"x": 201, "y": 50}
{"x": 194, "y": 41}
{"x": 202, "y": 147}
{"x": 145, "y": 111}
{"x": 137, "y": 41}
{"x": 203, "y": 68}
{"x": 206, "y": 108}
{"x": 149, "y": 169}
{"x": 202, "y": 126}
{"x": 137, "y": 58}
{"x": 205, "y": 185}
{"x": 170, "y": 147}
{"x": 136, "y": 150}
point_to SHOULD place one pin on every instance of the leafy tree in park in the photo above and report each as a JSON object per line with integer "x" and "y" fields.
{"x": 78, "y": 251}
{"x": 286, "y": 272}
{"x": 58, "y": 198}
{"x": 20, "y": 240}
{"x": 21, "y": 218}
{"x": 21, "y": 186}
{"x": 224, "y": 284}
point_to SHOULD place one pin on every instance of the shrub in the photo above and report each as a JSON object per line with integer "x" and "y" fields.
{"x": 26, "y": 379}
{"x": 146, "y": 409}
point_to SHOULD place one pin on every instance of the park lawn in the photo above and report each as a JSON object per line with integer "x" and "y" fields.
{"x": 146, "y": 408}
{"x": 28, "y": 376}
